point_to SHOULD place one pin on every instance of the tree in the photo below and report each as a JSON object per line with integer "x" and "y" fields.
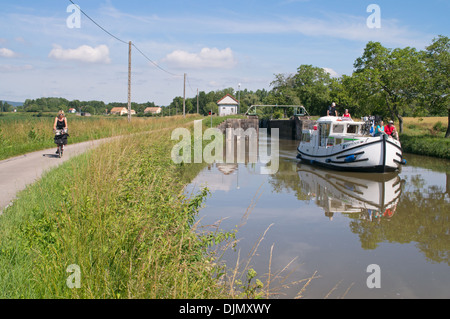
{"x": 248, "y": 99}
{"x": 212, "y": 106}
{"x": 284, "y": 91}
{"x": 437, "y": 61}
{"x": 177, "y": 105}
{"x": 5, "y": 107}
{"x": 397, "y": 76}
{"x": 343, "y": 92}
{"x": 313, "y": 87}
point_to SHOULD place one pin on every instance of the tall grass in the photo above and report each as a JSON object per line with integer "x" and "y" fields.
{"x": 117, "y": 212}
{"x": 425, "y": 136}
{"x": 24, "y": 133}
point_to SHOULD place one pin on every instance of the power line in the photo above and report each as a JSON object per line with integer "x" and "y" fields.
{"x": 189, "y": 83}
{"x": 98, "y": 25}
{"x": 154, "y": 63}
{"x": 126, "y": 42}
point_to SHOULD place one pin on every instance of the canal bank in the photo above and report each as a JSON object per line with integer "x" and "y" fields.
{"x": 110, "y": 224}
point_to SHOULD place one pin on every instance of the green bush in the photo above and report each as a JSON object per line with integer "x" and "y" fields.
{"x": 426, "y": 145}
{"x": 439, "y": 127}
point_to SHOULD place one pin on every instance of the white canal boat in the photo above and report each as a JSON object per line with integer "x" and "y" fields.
{"x": 343, "y": 144}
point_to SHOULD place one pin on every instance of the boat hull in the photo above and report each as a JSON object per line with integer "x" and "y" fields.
{"x": 371, "y": 154}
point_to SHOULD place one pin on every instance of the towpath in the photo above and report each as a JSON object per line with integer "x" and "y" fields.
{"x": 18, "y": 172}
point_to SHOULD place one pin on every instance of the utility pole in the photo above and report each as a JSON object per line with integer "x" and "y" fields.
{"x": 197, "y": 103}
{"x": 239, "y": 99}
{"x": 129, "y": 82}
{"x": 184, "y": 97}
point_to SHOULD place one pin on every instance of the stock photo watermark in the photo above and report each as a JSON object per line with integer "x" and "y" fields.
{"x": 374, "y": 279}
{"x": 235, "y": 139}
{"x": 74, "y": 280}
{"x": 74, "y": 20}
{"x": 374, "y": 20}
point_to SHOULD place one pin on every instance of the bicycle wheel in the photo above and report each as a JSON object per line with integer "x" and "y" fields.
{"x": 60, "y": 151}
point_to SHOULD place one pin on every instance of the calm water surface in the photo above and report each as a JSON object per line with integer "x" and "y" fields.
{"x": 336, "y": 224}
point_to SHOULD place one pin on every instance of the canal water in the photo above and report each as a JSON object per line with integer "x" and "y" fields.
{"x": 356, "y": 235}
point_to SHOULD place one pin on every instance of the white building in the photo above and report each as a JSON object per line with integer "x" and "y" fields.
{"x": 121, "y": 111}
{"x": 228, "y": 105}
{"x": 153, "y": 110}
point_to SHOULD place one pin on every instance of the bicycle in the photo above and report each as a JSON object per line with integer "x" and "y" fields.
{"x": 61, "y": 140}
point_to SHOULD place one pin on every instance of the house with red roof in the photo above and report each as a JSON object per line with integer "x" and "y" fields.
{"x": 228, "y": 105}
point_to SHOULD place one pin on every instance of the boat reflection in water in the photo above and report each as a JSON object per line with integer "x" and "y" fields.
{"x": 373, "y": 196}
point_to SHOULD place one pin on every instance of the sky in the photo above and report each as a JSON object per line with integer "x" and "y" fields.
{"x": 45, "y": 51}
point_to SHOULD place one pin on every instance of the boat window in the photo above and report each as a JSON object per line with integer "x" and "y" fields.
{"x": 352, "y": 129}
{"x": 338, "y": 128}
{"x": 330, "y": 141}
{"x": 324, "y": 132}
{"x": 306, "y": 137}
{"x": 338, "y": 141}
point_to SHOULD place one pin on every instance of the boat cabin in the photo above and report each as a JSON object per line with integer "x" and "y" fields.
{"x": 331, "y": 131}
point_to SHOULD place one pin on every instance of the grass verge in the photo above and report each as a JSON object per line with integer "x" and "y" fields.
{"x": 425, "y": 136}
{"x": 119, "y": 214}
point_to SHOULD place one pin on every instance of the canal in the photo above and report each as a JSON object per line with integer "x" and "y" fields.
{"x": 304, "y": 222}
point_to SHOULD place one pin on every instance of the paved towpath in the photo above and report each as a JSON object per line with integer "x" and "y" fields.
{"x": 18, "y": 172}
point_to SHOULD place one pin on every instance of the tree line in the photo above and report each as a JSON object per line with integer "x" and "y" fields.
{"x": 54, "y": 104}
{"x": 391, "y": 83}
{"x": 5, "y": 107}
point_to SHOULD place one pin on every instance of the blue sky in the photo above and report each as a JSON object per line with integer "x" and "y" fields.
{"x": 219, "y": 44}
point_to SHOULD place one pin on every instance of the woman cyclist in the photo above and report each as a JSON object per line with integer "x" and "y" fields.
{"x": 60, "y": 124}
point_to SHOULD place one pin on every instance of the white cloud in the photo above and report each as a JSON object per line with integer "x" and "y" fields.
{"x": 7, "y": 53}
{"x": 331, "y": 72}
{"x": 206, "y": 58}
{"x": 84, "y": 53}
{"x": 336, "y": 25}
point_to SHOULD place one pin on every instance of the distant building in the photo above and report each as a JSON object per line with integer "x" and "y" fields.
{"x": 228, "y": 105}
{"x": 72, "y": 110}
{"x": 153, "y": 110}
{"x": 121, "y": 111}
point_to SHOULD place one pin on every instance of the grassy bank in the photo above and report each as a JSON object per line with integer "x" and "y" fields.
{"x": 425, "y": 136}
{"x": 21, "y": 133}
{"x": 120, "y": 215}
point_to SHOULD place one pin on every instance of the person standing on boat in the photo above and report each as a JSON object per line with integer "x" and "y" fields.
{"x": 390, "y": 130}
{"x": 347, "y": 115}
{"x": 332, "y": 110}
